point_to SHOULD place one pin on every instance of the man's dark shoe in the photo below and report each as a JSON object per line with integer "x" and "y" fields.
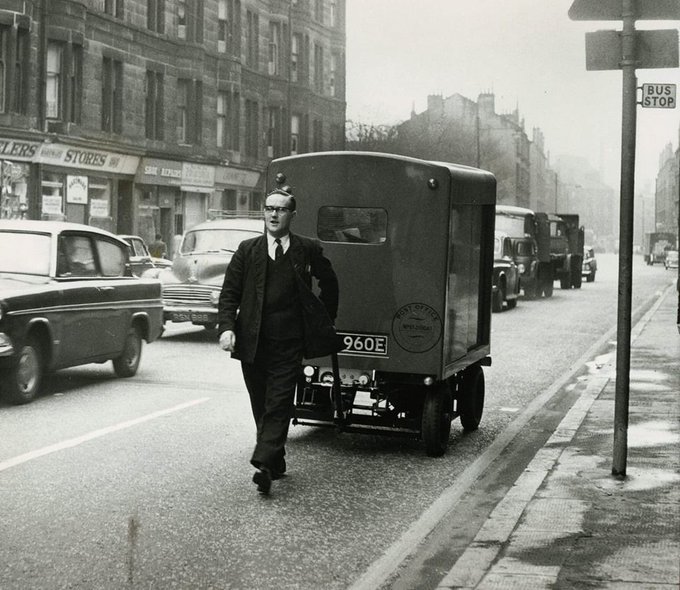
{"x": 279, "y": 471}
{"x": 263, "y": 480}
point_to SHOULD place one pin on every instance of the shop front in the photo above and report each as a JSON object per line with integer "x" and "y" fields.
{"x": 170, "y": 197}
{"x": 15, "y": 176}
{"x": 84, "y": 185}
{"x": 237, "y": 191}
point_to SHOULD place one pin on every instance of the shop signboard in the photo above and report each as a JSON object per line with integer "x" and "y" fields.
{"x": 236, "y": 177}
{"x": 15, "y": 149}
{"x": 157, "y": 172}
{"x": 51, "y": 204}
{"x": 76, "y": 189}
{"x": 58, "y": 154}
{"x": 198, "y": 178}
{"x": 99, "y": 208}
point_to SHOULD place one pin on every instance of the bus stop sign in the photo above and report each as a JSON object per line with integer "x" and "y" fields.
{"x": 612, "y": 10}
{"x": 658, "y": 96}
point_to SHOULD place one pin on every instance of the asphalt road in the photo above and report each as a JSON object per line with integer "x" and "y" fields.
{"x": 145, "y": 482}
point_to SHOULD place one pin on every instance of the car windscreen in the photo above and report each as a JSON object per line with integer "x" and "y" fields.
{"x": 25, "y": 253}
{"x": 214, "y": 240}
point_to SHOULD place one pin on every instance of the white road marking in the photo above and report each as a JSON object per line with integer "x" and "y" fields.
{"x": 73, "y": 442}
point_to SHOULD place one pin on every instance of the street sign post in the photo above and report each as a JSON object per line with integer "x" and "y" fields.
{"x": 659, "y": 96}
{"x": 626, "y": 50}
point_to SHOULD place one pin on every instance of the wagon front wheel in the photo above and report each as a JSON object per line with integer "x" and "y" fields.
{"x": 471, "y": 401}
{"x": 437, "y": 415}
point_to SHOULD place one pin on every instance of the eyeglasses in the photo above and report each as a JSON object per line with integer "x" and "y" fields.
{"x": 279, "y": 210}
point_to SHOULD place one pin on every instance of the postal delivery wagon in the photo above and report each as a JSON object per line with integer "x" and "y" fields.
{"x": 412, "y": 244}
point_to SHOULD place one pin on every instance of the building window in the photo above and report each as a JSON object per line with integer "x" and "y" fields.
{"x": 294, "y": 134}
{"x": 274, "y": 133}
{"x": 333, "y": 87}
{"x": 318, "y": 10}
{"x": 318, "y": 68}
{"x": 154, "y": 105}
{"x": 189, "y": 111}
{"x": 317, "y": 135}
{"x": 252, "y": 128}
{"x": 75, "y": 84}
{"x": 221, "y": 119}
{"x": 155, "y": 15}
{"x": 4, "y": 69}
{"x": 252, "y": 39}
{"x": 112, "y": 94}
{"x": 182, "y": 106}
{"x": 190, "y": 20}
{"x": 228, "y": 120}
{"x": 333, "y": 16}
{"x": 229, "y": 27}
{"x": 114, "y": 8}
{"x": 296, "y": 42}
{"x": 274, "y": 48}
{"x": 53, "y": 81}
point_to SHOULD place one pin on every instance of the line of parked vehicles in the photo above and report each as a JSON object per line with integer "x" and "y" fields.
{"x": 533, "y": 250}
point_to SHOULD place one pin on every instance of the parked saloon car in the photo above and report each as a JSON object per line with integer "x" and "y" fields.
{"x": 141, "y": 260}
{"x": 68, "y": 297}
{"x": 191, "y": 288}
{"x": 505, "y": 274}
{"x": 671, "y": 260}
{"x": 589, "y": 267}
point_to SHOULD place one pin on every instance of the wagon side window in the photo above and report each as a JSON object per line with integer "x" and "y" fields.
{"x": 359, "y": 225}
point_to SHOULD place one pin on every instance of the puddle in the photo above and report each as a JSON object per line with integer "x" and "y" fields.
{"x": 652, "y": 434}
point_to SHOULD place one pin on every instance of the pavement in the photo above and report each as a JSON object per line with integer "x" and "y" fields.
{"x": 567, "y": 522}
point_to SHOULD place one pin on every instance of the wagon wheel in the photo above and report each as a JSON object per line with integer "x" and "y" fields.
{"x": 471, "y": 400}
{"x": 437, "y": 416}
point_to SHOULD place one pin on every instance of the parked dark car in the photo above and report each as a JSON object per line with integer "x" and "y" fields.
{"x": 141, "y": 260}
{"x": 67, "y": 298}
{"x": 505, "y": 289}
{"x": 589, "y": 267}
{"x": 191, "y": 288}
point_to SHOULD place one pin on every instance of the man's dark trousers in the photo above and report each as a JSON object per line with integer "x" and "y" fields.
{"x": 271, "y": 381}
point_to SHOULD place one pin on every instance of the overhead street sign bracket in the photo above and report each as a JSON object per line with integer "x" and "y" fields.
{"x": 612, "y": 10}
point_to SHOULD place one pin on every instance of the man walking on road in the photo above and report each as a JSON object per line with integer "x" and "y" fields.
{"x": 269, "y": 318}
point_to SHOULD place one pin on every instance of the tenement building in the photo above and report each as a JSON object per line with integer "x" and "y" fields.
{"x": 149, "y": 116}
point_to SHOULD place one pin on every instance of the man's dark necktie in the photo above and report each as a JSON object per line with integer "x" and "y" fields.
{"x": 279, "y": 249}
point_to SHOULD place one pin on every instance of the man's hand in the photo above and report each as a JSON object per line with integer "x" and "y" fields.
{"x": 227, "y": 340}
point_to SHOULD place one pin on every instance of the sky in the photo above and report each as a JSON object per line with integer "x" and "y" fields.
{"x": 527, "y": 52}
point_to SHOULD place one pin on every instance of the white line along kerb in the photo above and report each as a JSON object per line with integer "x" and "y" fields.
{"x": 73, "y": 442}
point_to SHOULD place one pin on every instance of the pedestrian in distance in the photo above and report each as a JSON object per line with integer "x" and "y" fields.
{"x": 158, "y": 249}
{"x": 270, "y": 319}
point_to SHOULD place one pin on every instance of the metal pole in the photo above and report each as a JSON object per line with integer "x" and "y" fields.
{"x": 628, "y": 130}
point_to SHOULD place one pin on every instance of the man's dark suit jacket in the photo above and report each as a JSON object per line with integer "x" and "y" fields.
{"x": 242, "y": 296}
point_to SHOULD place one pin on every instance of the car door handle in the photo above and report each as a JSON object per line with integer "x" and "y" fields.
{"x": 106, "y": 288}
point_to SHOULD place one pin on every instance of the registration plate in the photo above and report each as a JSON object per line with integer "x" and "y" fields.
{"x": 374, "y": 345}
{"x": 194, "y": 316}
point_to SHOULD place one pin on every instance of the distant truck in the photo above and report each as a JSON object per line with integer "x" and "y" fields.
{"x": 656, "y": 245}
{"x": 548, "y": 247}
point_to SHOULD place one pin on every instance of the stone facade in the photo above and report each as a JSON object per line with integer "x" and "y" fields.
{"x": 167, "y": 110}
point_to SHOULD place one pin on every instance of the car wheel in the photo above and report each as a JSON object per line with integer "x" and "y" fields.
{"x": 548, "y": 289}
{"x": 436, "y": 423}
{"x": 497, "y": 299}
{"x": 127, "y": 363}
{"x": 512, "y": 303}
{"x": 471, "y": 400}
{"x": 22, "y": 381}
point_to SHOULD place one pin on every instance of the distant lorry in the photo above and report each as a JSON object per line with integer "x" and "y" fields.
{"x": 656, "y": 244}
{"x": 548, "y": 247}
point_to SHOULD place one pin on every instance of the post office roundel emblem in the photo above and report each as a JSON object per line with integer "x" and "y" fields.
{"x": 417, "y": 327}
